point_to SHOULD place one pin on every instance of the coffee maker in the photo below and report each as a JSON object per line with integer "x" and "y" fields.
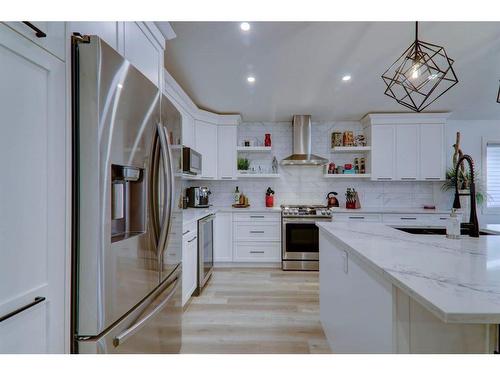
{"x": 198, "y": 196}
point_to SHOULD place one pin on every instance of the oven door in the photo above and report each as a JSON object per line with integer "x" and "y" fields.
{"x": 300, "y": 239}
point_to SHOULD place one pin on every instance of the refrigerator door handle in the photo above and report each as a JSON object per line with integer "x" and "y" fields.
{"x": 169, "y": 183}
{"x": 165, "y": 155}
{"x": 123, "y": 336}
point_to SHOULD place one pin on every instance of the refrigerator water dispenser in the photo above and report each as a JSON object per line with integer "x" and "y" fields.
{"x": 127, "y": 202}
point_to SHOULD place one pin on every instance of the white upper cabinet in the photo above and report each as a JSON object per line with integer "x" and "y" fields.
{"x": 432, "y": 162}
{"x": 54, "y": 40}
{"x": 107, "y": 31}
{"x": 226, "y": 161}
{"x": 407, "y": 146}
{"x": 407, "y": 152}
{"x": 206, "y": 144}
{"x": 188, "y": 130}
{"x": 383, "y": 152}
{"x": 33, "y": 247}
{"x": 143, "y": 51}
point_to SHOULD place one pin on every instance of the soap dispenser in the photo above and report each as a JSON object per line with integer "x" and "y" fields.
{"x": 453, "y": 226}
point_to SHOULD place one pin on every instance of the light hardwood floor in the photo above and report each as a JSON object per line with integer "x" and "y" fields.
{"x": 255, "y": 311}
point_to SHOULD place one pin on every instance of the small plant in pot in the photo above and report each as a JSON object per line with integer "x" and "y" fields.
{"x": 243, "y": 165}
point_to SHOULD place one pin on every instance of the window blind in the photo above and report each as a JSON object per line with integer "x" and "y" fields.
{"x": 493, "y": 174}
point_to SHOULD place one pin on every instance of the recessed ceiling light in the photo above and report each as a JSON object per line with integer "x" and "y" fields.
{"x": 245, "y": 26}
{"x": 250, "y": 79}
{"x": 346, "y": 78}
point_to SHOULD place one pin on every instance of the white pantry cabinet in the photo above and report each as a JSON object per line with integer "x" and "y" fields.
{"x": 53, "y": 42}
{"x": 226, "y": 150}
{"x": 33, "y": 195}
{"x": 189, "y": 261}
{"x": 206, "y": 144}
{"x": 223, "y": 237}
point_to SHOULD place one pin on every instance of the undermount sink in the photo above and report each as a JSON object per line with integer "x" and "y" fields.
{"x": 439, "y": 231}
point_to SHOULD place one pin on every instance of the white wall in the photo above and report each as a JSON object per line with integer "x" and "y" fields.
{"x": 472, "y": 133}
{"x": 306, "y": 185}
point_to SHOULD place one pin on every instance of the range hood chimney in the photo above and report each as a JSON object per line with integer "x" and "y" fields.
{"x": 302, "y": 144}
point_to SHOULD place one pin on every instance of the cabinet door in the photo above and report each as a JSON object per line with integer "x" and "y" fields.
{"x": 383, "y": 152}
{"x": 189, "y": 265}
{"x": 432, "y": 163}
{"x": 188, "y": 130}
{"x": 206, "y": 144}
{"x": 107, "y": 31}
{"x": 226, "y": 160}
{"x": 142, "y": 52}
{"x": 407, "y": 152}
{"x": 54, "y": 41}
{"x": 223, "y": 237}
{"x": 33, "y": 195}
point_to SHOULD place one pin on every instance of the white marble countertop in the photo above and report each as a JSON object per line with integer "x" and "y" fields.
{"x": 194, "y": 214}
{"x": 458, "y": 280}
{"x": 390, "y": 210}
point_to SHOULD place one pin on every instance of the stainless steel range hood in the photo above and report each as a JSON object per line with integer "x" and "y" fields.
{"x": 302, "y": 144}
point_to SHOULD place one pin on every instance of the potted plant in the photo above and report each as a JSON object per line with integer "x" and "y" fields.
{"x": 243, "y": 165}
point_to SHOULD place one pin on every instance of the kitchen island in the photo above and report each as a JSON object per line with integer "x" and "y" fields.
{"x": 387, "y": 291}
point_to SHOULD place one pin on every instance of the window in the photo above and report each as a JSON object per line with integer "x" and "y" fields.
{"x": 493, "y": 174}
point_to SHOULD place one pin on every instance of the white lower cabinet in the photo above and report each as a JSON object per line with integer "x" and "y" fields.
{"x": 257, "y": 237}
{"x": 357, "y": 217}
{"x": 189, "y": 261}
{"x": 223, "y": 237}
{"x": 257, "y": 251}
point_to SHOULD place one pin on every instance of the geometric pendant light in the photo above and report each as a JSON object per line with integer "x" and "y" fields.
{"x": 420, "y": 75}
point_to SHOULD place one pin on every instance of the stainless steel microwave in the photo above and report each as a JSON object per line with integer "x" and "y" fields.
{"x": 191, "y": 161}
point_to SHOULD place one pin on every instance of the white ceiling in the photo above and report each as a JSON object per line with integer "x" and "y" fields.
{"x": 298, "y": 67}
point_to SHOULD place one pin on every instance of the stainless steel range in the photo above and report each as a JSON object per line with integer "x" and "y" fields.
{"x": 300, "y": 236}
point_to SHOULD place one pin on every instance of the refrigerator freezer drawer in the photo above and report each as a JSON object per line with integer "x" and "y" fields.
{"x": 154, "y": 326}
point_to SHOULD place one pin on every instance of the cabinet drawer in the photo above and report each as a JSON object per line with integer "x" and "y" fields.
{"x": 357, "y": 217}
{"x": 244, "y": 231}
{"x": 411, "y": 219}
{"x": 189, "y": 229}
{"x": 257, "y": 216}
{"x": 257, "y": 252}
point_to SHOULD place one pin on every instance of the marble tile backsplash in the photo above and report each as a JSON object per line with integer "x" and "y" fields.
{"x": 306, "y": 185}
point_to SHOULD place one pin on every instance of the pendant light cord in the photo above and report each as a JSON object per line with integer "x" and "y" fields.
{"x": 416, "y": 40}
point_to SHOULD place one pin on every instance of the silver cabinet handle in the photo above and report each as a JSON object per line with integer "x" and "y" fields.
{"x": 384, "y": 178}
{"x": 408, "y": 218}
{"x": 356, "y": 217}
{"x": 408, "y": 178}
{"x": 226, "y": 178}
{"x": 192, "y": 239}
{"x": 122, "y": 337}
{"x": 256, "y": 231}
{"x": 443, "y": 218}
{"x": 36, "y": 301}
{"x": 256, "y": 252}
{"x": 433, "y": 178}
{"x": 186, "y": 232}
{"x": 257, "y": 216}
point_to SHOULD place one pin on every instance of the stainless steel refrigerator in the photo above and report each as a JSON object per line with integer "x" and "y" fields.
{"x": 127, "y": 240}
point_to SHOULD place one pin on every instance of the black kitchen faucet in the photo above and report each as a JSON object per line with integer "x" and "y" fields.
{"x": 472, "y": 225}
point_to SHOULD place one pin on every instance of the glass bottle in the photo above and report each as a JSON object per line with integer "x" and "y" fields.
{"x": 453, "y": 226}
